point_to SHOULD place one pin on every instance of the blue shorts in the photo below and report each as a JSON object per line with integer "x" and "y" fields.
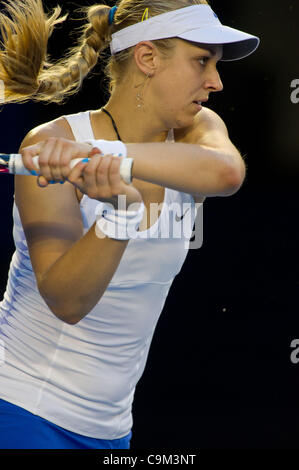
{"x": 20, "y": 429}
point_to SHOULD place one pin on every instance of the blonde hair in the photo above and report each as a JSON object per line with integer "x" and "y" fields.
{"x": 24, "y": 64}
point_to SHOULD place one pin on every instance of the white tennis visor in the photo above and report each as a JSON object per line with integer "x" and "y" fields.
{"x": 198, "y": 24}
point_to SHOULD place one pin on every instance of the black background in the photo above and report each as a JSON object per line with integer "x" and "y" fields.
{"x": 219, "y": 373}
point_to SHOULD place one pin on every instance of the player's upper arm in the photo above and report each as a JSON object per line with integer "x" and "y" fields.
{"x": 207, "y": 129}
{"x": 50, "y": 216}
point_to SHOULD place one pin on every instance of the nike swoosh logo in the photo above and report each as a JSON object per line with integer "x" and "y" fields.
{"x": 179, "y": 219}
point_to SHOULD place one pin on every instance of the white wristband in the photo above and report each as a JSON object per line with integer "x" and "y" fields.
{"x": 118, "y": 224}
{"x": 108, "y": 147}
{"x": 118, "y": 149}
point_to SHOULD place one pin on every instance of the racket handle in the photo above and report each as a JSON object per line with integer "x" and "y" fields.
{"x": 16, "y": 166}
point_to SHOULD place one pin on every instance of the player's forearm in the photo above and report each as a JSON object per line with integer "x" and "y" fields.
{"x": 189, "y": 168}
{"x": 79, "y": 278}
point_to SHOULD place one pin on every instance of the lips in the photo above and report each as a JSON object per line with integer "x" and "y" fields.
{"x": 201, "y": 101}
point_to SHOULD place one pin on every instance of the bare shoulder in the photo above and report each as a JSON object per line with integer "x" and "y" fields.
{"x": 205, "y": 121}
{"x": 57, "y": 128}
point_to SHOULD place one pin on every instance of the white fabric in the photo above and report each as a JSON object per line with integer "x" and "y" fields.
{"x": 197, "y": 23}
{"x": 118, "y": 224}
{"x": 114, "y": 147}
{"x": 118, "y": 149}
{"x": 82, "y": 377}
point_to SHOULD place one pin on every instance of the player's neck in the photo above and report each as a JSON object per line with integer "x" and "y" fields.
{"x": 134, "y": 124}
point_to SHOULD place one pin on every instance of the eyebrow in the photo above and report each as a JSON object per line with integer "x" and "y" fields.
{"x": 211, "y": 51}
{"x": 206, "y": 48}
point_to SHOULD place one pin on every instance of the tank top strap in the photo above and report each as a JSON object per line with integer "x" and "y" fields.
{"x": 81, "y": 126}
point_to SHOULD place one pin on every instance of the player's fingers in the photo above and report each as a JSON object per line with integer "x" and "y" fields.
{"x": 95, "y": 151}
{"x": 102, "y": 170}
{"x": 115, "y": 180}
{"x": 42, "y": 182}
{"x": 65, "y": 163}
{"x": 50, "y": 152}
{"x": 89, "y": 174}
{"x": 76, "y": 174}
{"x": 29, "y": 152}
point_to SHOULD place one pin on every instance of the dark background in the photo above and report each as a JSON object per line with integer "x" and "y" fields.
{"x": 219, "y": 373}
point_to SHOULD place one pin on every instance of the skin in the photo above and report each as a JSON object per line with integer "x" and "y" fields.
{"x": 52, "y": 219}
{"x": 190, "y": 75}
{"x": 194, "y": 79}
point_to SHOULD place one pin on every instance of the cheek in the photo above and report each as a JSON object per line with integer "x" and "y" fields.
{"x": 172, "y": 92}
{"x": 171, "y": 83}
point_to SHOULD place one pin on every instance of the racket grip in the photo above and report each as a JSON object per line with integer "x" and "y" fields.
{"x": 17, "y": 167}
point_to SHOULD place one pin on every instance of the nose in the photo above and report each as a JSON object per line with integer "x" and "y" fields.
{"x": 213, "y": 81}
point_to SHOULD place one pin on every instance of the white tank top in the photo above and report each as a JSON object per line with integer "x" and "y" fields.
{"x": 82, "y": 377}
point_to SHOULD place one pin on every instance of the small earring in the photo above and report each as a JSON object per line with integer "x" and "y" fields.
{"x": 139, "y": 97}
{"x": 139, "y": 100}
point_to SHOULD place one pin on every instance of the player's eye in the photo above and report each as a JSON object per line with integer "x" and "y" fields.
{"x": 204, "y": 60}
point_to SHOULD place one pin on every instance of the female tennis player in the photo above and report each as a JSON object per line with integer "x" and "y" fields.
{"x": 91, "y": 273}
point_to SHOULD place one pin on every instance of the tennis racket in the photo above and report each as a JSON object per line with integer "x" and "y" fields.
{"x": 13, "y": 164}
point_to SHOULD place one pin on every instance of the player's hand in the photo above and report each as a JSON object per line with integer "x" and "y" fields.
{"x": 100, "y": 179}
{"x": 55, "y": 155}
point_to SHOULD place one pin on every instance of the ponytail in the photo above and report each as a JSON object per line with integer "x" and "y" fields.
{"x": 24, "y": 67}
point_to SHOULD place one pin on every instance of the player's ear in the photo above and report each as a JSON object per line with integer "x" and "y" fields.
{"x": 146, "y": 57}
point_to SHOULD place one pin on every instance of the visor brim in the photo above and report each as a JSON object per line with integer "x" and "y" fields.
{"x": 236, "y": 44}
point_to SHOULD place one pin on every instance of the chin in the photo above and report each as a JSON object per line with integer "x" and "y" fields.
{"x": 179, "y": 118}
{"x": 185, "y": 121}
